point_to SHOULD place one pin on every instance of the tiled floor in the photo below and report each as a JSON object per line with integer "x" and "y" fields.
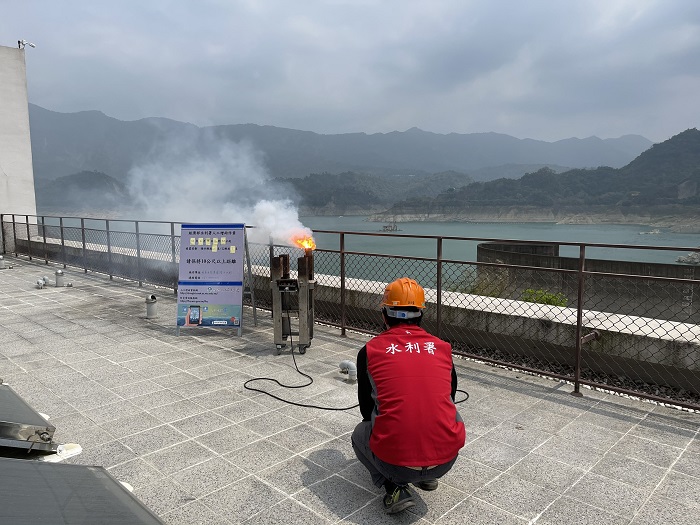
{"x": 169, "y": 415}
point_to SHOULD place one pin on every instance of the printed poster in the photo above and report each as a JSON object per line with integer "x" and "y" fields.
{"x": 210, "y": 281}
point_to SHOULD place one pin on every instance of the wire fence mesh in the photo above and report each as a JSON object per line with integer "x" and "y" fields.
{"x": 518, "y": 304}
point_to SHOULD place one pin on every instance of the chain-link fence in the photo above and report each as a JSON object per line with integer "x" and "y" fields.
{"x": 628, "y": 326}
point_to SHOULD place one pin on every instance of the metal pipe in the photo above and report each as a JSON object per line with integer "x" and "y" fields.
{"x": 309, "y": 257}
{"x": 138, "y": 254}
{"x": 272, "y": 250}
{"x": 109, "y": 249}
{"x": 343, "y": 312}
{"x": 29, "y": 237}
{"x": 63, "y": 241}
{"x": 349, "y": 368}
{"x": 173, "y": 259}
{"x": 14, "y": 233}
{"x": 82, "y": 233}
{"x": 251, "y": 279}
{"x": 43, "y": 230}
{"x": 593, "y": 336}
{"x": 438, "y": 285}
{"x": 579, "y": 321}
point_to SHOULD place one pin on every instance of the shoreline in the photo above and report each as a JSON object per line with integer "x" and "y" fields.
{"x": 689, "y": 225}
{"x": 674, "y": 224}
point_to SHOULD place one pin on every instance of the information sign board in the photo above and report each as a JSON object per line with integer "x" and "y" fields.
{"x": 210, "y": 281}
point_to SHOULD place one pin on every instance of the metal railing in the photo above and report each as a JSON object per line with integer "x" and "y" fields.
{"x": 145, "y": 251}
{"x": 631, "y": 327}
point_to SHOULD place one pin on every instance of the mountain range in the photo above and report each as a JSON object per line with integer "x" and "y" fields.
{"x": 68, "y": 143}
{"x": 661, "y": 187}
{"x": 83, "y": 161}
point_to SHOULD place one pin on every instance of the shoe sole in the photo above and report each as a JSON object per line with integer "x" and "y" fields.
{"x": 400, "y": 506}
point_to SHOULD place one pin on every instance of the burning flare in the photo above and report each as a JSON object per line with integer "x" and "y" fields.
{"x": 304, "y": 241}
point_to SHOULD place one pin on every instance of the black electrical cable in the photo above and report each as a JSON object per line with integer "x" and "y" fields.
{"x": 291, "y": 341}
{"x": 311, "y": 380}
{"x": 462, "y": 400}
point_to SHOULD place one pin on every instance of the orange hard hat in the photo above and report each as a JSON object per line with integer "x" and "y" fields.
{"x": 404, "y": 292}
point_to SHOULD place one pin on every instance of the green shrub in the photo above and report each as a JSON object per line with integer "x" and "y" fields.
{"x": 544, "y": 297}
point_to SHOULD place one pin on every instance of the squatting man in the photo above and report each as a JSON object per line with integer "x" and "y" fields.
{"x": 411, "y": 431}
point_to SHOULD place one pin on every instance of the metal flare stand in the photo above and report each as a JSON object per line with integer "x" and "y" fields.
{"x": 293, "y": 299}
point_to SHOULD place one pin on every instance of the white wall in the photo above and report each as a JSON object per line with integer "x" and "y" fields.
{"x": 16, "y": 171}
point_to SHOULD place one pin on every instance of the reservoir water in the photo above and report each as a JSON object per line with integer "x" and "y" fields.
{"x": 626, "y": 234}
{"x": 623, "y": 234}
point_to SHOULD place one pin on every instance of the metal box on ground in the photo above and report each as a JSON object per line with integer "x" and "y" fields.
{"x": 21, "y": 426}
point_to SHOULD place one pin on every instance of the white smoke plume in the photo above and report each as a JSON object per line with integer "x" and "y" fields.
{"x": 205, "y": 178}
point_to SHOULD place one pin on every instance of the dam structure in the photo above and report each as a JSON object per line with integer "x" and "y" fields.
{"x": 169, "y": 415}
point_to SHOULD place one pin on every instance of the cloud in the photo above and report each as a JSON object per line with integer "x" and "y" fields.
{"x": 542, "y": 69}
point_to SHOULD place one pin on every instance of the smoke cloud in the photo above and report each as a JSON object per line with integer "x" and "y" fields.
{"x": 203, "y": 177}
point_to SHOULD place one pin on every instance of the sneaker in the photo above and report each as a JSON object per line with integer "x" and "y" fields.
{"x": 399, "y": 500}
{"x": 428, "y": 484}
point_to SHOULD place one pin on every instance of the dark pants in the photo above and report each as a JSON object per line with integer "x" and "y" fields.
{"x": 381, "y": 471}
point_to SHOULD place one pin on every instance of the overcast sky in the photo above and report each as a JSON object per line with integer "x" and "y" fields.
{"x": 543, "y": 69}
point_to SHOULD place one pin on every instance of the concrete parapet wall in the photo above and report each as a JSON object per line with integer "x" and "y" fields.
{"x": 605, "y": 293}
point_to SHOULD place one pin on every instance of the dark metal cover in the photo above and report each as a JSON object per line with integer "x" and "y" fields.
{"x": 20, "y": 425}
{"x": 36, "y": 492}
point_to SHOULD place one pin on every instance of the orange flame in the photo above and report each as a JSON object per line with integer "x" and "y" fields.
{"x": 305, "y": 242}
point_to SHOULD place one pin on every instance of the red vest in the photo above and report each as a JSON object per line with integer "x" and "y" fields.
{"x": 415, "y": 423}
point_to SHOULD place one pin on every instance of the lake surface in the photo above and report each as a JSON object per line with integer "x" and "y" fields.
{"x": 466, "y": 250}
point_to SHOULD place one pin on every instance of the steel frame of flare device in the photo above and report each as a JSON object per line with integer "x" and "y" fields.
{"x": 293, "y": 298}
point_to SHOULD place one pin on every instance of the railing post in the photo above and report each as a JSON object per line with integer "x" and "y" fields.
{"x": 172, "y": 242}
{"x": 342, "y": 285}
{"x": 109, "y": 249}
{"x": 82, "y": 233}
{"x": 43, "y": 228}
{"x": 579, "y": 321}
{"x": 2, "y": 231}
{"x": 174, "y": 261}
{"x": 438, "y": 284}
{"x": 14, "y": 232}
{"x": 138, "y": 254}
{"x": 272, "y": 256}
{"x": 29, "y": 237}
{"x": 63, "y": 241}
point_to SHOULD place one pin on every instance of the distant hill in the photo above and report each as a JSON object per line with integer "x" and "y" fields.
{"x": 661, "y": 183}
{"x": 69, "y": 143}
{"x": 359, "y": 193}
{"x": 86, "y": 191}
{"x": 511, "y": 171}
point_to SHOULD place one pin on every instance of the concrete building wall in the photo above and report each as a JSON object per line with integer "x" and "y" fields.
{"x": 657, "y": 299}
{"x": 16, "y": 170}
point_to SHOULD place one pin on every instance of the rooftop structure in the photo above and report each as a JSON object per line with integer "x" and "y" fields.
{"x": 170, "y": 416}
{"x": 16, "y": 171}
